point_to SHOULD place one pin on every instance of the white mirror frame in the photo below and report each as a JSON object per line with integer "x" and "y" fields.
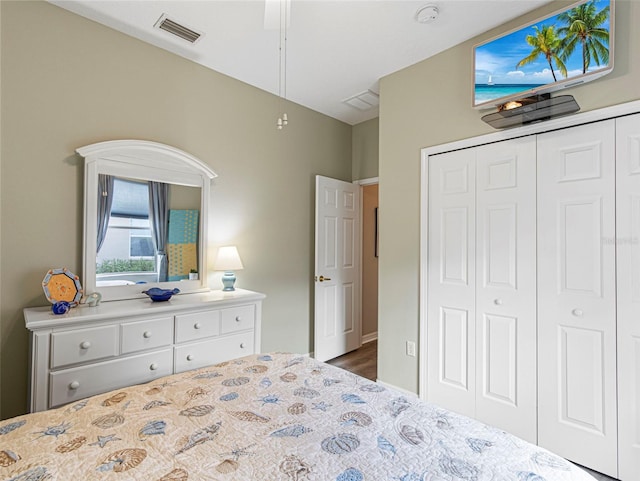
{"x": 141, "y": 160}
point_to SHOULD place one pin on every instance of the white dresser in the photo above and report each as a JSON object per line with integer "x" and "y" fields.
{"x": 91, "y": 350}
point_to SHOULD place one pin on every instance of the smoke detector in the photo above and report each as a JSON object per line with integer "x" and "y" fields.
{"x": 427, "y": 14}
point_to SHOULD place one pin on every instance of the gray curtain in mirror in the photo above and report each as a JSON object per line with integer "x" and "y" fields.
{"x": 159, "y": 220}
{"x": 105, "y": 199}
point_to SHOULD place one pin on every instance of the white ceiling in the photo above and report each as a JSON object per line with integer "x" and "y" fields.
{"x": 335, "y": 49}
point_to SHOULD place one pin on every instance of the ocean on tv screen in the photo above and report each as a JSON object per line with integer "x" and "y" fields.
{"x": 487, "y": 93}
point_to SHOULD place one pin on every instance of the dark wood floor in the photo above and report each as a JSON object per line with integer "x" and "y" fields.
{"x": 363, "y": 361}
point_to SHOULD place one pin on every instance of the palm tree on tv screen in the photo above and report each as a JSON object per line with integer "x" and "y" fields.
{"x": 584, "y": 27}
{"x": 545, "y": 43}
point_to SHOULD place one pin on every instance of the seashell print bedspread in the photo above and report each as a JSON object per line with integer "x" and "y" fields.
{"x": 266, "y": 417}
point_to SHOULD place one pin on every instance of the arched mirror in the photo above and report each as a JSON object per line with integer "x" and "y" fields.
{"x": 145, "y": 218}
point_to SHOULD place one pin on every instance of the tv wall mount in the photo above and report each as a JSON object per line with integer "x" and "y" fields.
{"x": 536, "y": 108}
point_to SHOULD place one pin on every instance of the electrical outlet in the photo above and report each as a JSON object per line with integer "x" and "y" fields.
{"x": 411, "y": 348}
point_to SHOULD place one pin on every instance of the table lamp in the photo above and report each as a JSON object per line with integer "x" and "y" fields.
{"x": 228, "y": 260}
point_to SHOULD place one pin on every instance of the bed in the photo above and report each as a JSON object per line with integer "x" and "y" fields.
{"x": 273, "y": 416}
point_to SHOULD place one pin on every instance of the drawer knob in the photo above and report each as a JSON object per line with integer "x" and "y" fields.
{"x": 146, "y": 334}
{"x": 577, "y": 312}
{"x": 189, "y": 357}
{"x": 497, "y": 302}
{"x": 197, "y": 325}
{"x": 242, "y": 345}
{"x": 238, "y": 318}
{"x": 74, "y": 385}
{"x": 153, "y": 366}
{"x": 85, "y": 345}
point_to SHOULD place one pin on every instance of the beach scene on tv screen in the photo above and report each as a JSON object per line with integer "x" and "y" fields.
{"x": 570, "y": 44}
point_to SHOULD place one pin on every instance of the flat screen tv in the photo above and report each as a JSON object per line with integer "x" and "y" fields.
{"x": 563, "y": 49}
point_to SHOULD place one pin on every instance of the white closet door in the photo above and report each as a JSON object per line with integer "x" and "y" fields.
{"x": 506, "y": 286}
{"x": 577, "y": 299}
{"x": 628, "y": 246}
{"x": 451, "y": 282}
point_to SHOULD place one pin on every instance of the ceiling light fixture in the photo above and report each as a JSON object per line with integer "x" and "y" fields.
{"x": 283, "y": 120}
{"x": 427, "y": 14}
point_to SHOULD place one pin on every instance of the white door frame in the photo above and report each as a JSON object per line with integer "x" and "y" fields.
{"x": 554, "y": 124}
{"x": 363, "y": 183}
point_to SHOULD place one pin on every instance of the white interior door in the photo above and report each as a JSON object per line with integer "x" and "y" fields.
{"x": 576, "y": 295}
{"x": 451, "y": 326}
{"x": 506, "y": 286}
{"x": 628, "y": 250}
{"x": 337, "y": 327}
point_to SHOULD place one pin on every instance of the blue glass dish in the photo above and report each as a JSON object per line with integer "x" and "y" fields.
{"x": 60, "y": 307}
{"x": 158, "y": 295}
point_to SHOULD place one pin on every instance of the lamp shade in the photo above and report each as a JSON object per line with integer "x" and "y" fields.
{"x": 228, "y": 259}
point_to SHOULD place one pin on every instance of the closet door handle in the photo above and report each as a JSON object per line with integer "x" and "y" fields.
{"x": 577, "y": 312}
{"x": 497, "y": 302}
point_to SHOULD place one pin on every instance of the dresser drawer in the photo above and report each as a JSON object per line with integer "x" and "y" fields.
{"x": 151, "y": 334}
{"x": 83, "y": 345}
{"x": 80, "y": 382}
{"x": 238, "y": 318}
{"x": 197, "y": 325}
{"x": 213, "y": 351}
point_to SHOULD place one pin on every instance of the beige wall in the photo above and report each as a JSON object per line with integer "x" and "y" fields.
{"x": 429, "y": 104}
{"x": 364, "y": 155}
{"x": 184, "y": 197}
{"x": 364, "y": 150}
{"x": 69, "y": 82}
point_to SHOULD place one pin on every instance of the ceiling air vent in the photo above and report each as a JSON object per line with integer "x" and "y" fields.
{"x": 363, "y": 101}
{"x": 173, "y": 27}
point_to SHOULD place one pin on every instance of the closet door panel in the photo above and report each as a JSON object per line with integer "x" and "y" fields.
{"x": 451, "y": 282}
{"x": 576, "y": 295}
{"x": 628, "y": 255}
{"x": 506, "y": 286}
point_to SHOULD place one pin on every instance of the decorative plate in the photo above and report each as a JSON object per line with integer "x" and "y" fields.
{"x": 62, "y": 285}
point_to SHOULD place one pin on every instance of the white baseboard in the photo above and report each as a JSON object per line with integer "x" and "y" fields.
{"x": 396, "y": 388}
{"x": 369, "y": 337}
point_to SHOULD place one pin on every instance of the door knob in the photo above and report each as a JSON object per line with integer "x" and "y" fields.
{"x": 323, "y": 278}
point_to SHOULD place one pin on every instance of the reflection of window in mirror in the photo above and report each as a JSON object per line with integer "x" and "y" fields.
{"x": 127, "y": 255}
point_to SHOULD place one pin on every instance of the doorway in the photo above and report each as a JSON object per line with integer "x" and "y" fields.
{"x": 364, "y": 360}
{"x": 346, "y": 306}
{"x": 370, "y": 252}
